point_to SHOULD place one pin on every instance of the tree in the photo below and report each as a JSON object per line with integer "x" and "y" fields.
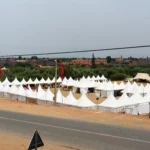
{"x": 34, "y": 57}
{"x": 20, "y": 57}
{"x": 118, "y": 76}
{"x": 109, "y": 59}
{"x": 93, "y": 61}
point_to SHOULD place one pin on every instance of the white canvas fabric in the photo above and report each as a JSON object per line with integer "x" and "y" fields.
{"x": 23, "y": 81}
{"x": 49, "y": 95}
{"x": 103, "y": 78}
{"x": 42, "y": 81}
{"x": 21, "y": 91}
{"x": 36, "y": 81}
{"x": 13, "y": 89}
{"x": 15, "y": 82}
{"x": 1, "y": 87}
{"x": 71, "y": 100}
{"x": 30, "y": 81}
{"x": 98, "y": 77}
{"x": 88, "y": 78}
{"x": 48, "y": 81}
{"x": 85, "y": 102}
{"x": 124, "y": 100}
{"x": 93, "y": 78}
{"x": 59, "y": 80}
{"x": 59, "y": 97}
{"x": 6, "y": 82}
{"x": 147, "y": 88}
{"x": 110, "y": 102}
{"x": 40, "y": 93}
{"x": 122, "y": 85}
{"x": 31, "y": 93}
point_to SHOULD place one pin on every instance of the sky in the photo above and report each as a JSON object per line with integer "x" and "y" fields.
{"x": 37, "y": 26}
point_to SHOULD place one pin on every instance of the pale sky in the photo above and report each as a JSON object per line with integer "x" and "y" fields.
{"x": 37, "y": 26}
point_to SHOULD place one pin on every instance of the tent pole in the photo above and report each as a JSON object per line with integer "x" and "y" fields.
{"x": 55, "y": 82}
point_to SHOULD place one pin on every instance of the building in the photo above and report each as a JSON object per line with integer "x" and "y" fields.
{"x": 119, "y": 60}
{"x": 100, "y": 61}
{"x": 88, "y": 61}
{"x": 81, "y": 62}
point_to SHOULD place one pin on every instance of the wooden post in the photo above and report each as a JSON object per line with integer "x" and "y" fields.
{"x": 55, "y": 89}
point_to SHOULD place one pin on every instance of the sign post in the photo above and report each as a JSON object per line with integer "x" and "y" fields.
{"x": 36, "y": 141}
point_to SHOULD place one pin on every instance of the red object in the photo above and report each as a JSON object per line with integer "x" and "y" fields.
{"x": 1, "y": 73}
{"x": 62, "y": 72}
{"x": 27, "y": 87}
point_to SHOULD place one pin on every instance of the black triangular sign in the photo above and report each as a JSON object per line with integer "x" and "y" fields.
{"x": 36, "y": 141}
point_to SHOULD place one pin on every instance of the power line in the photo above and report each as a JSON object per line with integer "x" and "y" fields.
{"x": 81, "y": 51}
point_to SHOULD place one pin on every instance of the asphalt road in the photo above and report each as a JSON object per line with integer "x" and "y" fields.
{"x": 75, "y": 134}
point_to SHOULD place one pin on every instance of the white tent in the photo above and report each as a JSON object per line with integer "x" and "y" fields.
{"x": 98, "y": 77}
{"x": 107, "y": 90}
{"x": 71, "y": 100}
{"x": 15, "y": 82}
{"x": 134, "y": 109}
{"x": 122, "y": 85}
{"x": 31, "y": 93}
{"x": 48, "y": 81}
{"x": 147, "y": 88}
{"x": 1, "y": 90}
{"x": 22, "y": 93}
{"x": 36, "y": 81}
{"x": 49, "y": 96}
{"x": 59, "y": 97}
{"x": 5, "y": 91}
{"x": 59, "y": 80}
{"x": 40, "y": 95}
{"x": 124, "y": 101}
{"x": 103, "y": 78}
{"x": 88, "y": 78}
{"x": 30, "y": 81}
{"x": 42, "y": 81}
{"x": 23, "y": 81}
{"x": 109, "y": 104}
{"x": 85, "y": 102}
{"x": 6, "y": 82}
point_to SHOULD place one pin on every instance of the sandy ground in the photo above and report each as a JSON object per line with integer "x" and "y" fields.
{"x": 10, "y": 142}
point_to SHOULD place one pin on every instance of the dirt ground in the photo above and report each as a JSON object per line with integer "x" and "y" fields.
{"x": 14, "y": 142}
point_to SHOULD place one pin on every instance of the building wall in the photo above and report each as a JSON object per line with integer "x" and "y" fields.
{"x": 88, "y": 61}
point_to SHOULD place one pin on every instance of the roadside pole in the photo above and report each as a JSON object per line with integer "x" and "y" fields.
{"x": 149, "y": 110}
{"x": 55, "y": 89}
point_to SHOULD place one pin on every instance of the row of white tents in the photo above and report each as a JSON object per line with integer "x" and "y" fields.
{"x": 49, "y": 81}
{"x": 42, "y": 97}
{"x": 136, "y": 104}
{"x": 103, "y": 89}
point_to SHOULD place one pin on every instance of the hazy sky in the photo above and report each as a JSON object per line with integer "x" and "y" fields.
{"x": 36, "y": 26}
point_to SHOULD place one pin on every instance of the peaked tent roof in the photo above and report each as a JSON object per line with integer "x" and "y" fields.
{"x": 71, "y": 100}
{"x": 59, "y": 97}
{"x": 6, "y": 82}
{"x": 85, "y": 102}
{"x": 110, "y": 102}
{"x": 21, "y": 91}
{"x": 23, "y": 81}
{"x": 15, "y": 82}
{"x": 49, "y": 95}
{"x": 142, "y": 76}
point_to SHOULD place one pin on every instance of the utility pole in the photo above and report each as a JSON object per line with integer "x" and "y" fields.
{"x": 55, "y": 89}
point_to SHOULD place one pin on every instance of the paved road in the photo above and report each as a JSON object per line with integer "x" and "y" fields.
{"x": 76, "y": 134}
